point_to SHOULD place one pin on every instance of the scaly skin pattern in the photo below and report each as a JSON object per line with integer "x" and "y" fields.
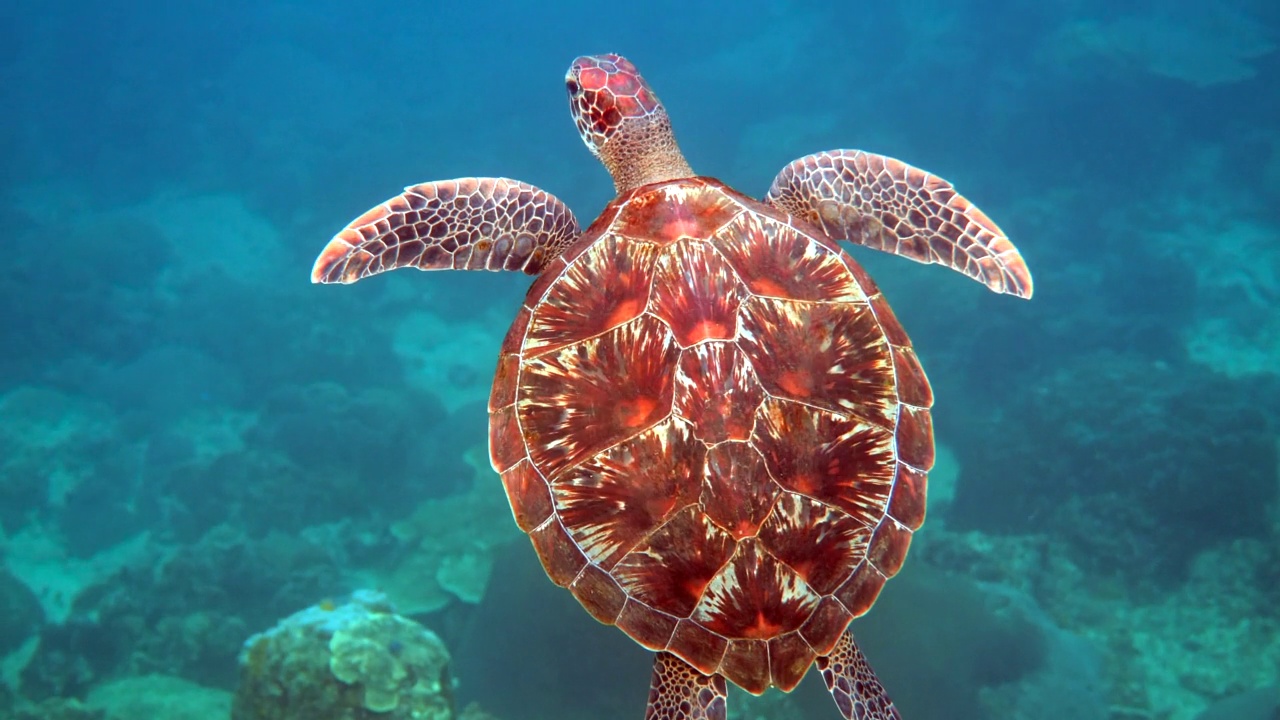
{"x": 888, "y": 205}
{"x": 464, "y": 224}
{"x": 714, "y": 430}
{"x": 856, "y": 689}
{"x": 622, "y": 122}
{"x": 678, "y": 692}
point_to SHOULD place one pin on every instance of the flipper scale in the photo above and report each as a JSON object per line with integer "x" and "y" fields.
{"x": 886, "y": 204}
{"x": 462, "y": 224}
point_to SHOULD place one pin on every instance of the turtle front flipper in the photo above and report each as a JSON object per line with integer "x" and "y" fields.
{"x": 679, "y": 692}
{"x": 463, "y": 224}
{"x": 889, "y": 205}
{"x": 854, "y": 685}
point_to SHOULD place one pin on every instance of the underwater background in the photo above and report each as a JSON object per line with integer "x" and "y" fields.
{"x": 196, "y": 443}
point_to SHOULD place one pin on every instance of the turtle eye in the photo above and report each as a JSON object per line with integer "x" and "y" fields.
{"x": 574, "y": 87}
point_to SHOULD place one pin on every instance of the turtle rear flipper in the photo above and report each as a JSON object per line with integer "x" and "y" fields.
{"x": 888, "y": 205}
{"x": 854, "y": 685}
{"x": 463, "y": 224}
{"x": 679, "y": 692}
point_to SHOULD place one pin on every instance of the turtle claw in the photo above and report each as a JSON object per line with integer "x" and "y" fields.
{"x": 888, "y": 205}
{"x": 679, "y": 692}
{"x": 854, "y": 685}
{"x": 464, "y": 224}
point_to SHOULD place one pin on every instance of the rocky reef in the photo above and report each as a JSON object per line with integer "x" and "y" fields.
{"x": 1136, "y": 465}
{"x": 357, "y": 660}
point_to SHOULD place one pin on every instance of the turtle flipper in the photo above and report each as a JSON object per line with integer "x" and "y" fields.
{"x": 679, "y": 692}
{"x": 854, "y": 685}
{"x": 889, "y": 205}
{"x": 463, "y": 224}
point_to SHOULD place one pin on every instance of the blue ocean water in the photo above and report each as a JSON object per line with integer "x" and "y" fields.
{"x": 196, "y": 442}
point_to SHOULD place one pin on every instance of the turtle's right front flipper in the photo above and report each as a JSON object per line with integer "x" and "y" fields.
{"x": 463, "y": 224}
{"x": 888, "y": 205}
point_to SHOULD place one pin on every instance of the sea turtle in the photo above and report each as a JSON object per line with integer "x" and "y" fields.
{"x": 705, "y": 415}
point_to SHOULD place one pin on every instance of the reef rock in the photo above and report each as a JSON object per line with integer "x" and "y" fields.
{"x": 1137, "y": 466}
{"x": 356, "y": 661}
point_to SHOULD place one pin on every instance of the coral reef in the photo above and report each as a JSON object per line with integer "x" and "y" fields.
{"x": 937, "y": 630}
{"x": 55, "y": 448}
{"x": 448, "y": 544}
{"x": 1165, "y": 653}
{"x": 20, "y": 613}
{"x": 230, "y": 534}
{"x": 441, "y": 354}
{"x": 555, "y": 661}
{"x": 1068, "y": 685}
{"x": 88, "y": 293}
{"x": 182, "y": 610}
{"x": 153, "y": 697}
{"x": 55, "y": 709}
{"x": 158, "y": 697}
{"x": 1123, "y": 454}
{"x": 354, "y": 661}
{"x": 1259, "y": 704}
{"x": 194, "y": 442}
{"x": 323, "y": 448}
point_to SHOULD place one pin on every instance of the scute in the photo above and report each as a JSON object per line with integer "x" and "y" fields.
{"x": 696, "y": 293}
{"x": 718, "y": 392}
{"x": 819, "y": 542}
{"x": 671, "y": 569}
{"x": 713, "y": 406}
{"x": 833, "y": 458}
{"x": 831, "y": 355}
{"x": 777, "y": 260}
{"x": 614, "y": 500}
{"x": 606, "y": 286}
{"x": 755, "y": 596}
{"x": 675, "y": 210}
{"x": 591, "y": 395}
{"x": 738, "y": 493}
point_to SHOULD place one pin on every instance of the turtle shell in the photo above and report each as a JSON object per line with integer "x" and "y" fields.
{"x": 714, "y": 430}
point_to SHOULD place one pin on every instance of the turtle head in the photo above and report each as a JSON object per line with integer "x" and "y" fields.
{"x": 622, "y": 122}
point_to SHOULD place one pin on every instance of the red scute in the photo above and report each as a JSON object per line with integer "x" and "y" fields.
{"x": 672, "y": 568}
{"x": 820, "y": 543}
{"x": 738, "y": 493}
{"x": 828, "y": 457}
{"x": 718, "y": 392}
{"x": 655, "y": 217}
{"x": 755, "y": 596}
{"x": 789, "y": 657}
{"x": 696, "y": 294}
{"x": 617, "y": 498}
{"x": 607, "y": 286}
{"x": 582, "y": 399}
{"x": 698, "y": 646}
{"x": 746, "y": 662}
{"x": 830, "y": 355}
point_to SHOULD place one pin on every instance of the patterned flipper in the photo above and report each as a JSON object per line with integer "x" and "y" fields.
{"x": 888, "y": 205}
{"x": 854, "y": 685}
{"x": 679, "y": 692}
{"x": 464, "y": 224}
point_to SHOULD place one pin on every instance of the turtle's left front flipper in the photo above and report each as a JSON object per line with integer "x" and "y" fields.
{"x": 888, "y": 205}
{"x": 463, "y": 224}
